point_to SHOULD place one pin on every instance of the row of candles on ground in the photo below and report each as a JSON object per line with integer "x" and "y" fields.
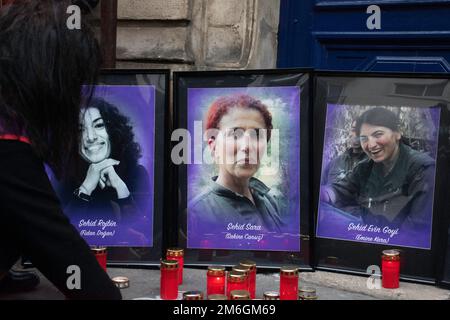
{"x": 240, "y": 282}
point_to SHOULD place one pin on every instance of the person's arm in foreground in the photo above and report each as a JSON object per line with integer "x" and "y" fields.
{"x": 30, "y": 208}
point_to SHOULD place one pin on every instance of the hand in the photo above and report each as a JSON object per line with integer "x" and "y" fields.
{"x": 93, "y": 175}
{"x": 109, "y": 178}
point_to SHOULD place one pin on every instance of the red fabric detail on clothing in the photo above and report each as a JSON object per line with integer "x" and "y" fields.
{"x": 14, "y": 137}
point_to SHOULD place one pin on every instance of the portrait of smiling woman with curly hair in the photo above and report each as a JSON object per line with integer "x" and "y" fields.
{"x": 109, "y": 183}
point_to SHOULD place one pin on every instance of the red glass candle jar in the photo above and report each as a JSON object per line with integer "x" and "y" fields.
{"x": 271, "y": 295}
{"x": 101, "y": 255}
{"x": 193, "y": 295}
{"x": 177, "y": 254}
{"x": 246, "y": 271}
{"x": 252, "y": 277}
{"x": 169, "y": 280}
{"x": 390, "y": 269}
{"x": 217, "y": 297}
{"x": 289, "y": 283}
{"x": 215, "y": 282}
{"x": 239, "y": 295}
{"x": 236, "y": 281}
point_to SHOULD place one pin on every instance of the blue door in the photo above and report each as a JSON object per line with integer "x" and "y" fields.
{"x": 404, "y": 36}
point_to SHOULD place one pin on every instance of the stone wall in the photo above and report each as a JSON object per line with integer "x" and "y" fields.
{"x": 197, "y": 34}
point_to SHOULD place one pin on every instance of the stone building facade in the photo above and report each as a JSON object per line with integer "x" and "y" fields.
{"x": 197, "y": 34}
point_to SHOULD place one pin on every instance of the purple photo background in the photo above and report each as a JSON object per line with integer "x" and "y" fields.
{"x": 284, "y": 105}
{"x": 333, "y": 223}
{"x": 138, "y": 104}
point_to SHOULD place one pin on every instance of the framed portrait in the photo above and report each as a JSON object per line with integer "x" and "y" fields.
{"x": 382, "y": 144}
{"x": 240, "y": 156}
{"x": 115, "y": 199}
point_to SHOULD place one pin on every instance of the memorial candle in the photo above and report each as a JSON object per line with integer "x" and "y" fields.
{"x": 289, "y": 283}
{"x": 169, "y": 280}
{"x": 246, "y": 271}
{"x": 252, "y": 277}
{"x": 100, "y": 254}
{"x": 121, "y": 282}
{"x": 177, "y": 254}
{"x": 217, "y": 297}
{"x": 307, "y": 293}
{"x": 193, "y": 295}
{"x": 215, "y": 282}
{"x": 236, "y": 281}
{"x": 271, "y": 295}
{"x": 390, "y": 269}
{"x": 239, "y": 295}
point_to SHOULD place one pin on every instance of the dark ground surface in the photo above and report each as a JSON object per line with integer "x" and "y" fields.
{"x": 144, "y": 284}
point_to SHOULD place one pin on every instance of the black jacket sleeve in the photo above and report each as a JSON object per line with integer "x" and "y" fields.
{"x": 31, "y": 212}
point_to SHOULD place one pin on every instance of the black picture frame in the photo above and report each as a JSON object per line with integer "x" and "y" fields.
{"x": 160, "y": 79}
{"x": 417, "y": 265}
{"x": 243, "y": 79}
{"x": 444, "y": 263}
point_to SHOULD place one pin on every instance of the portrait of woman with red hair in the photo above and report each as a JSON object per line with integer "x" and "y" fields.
{"x": 245, "y": 193}
{"x": 238, "y": 128}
